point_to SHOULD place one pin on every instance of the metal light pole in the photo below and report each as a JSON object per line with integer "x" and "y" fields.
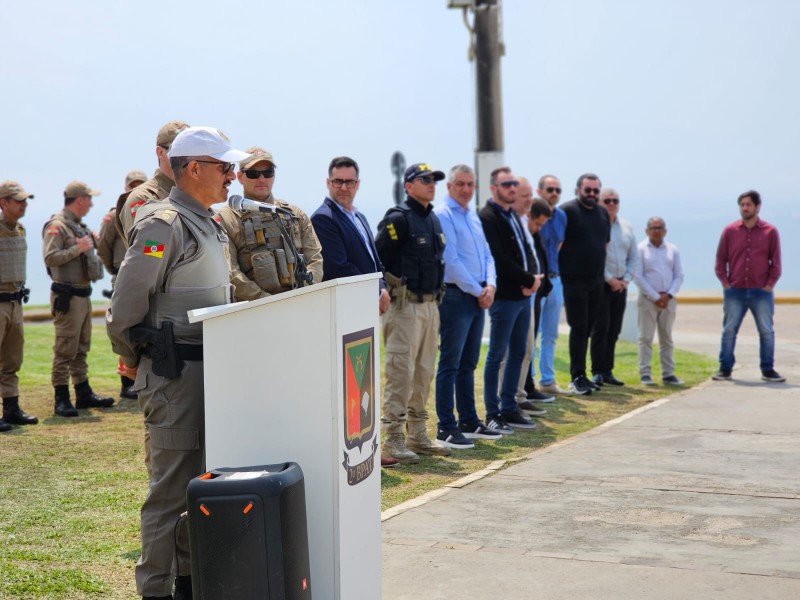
{"x": 486, "y": 48}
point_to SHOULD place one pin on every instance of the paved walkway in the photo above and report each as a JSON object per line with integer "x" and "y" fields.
{"x": 693, "y": 496}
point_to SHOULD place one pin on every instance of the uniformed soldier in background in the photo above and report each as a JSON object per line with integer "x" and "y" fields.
{"x": 13, "y": 248}
{"x": 263, "y": 259}
{"x": 111, "y": 249}
{"x": 410, "y": 244}
{"x": 156, "y": 188}
{"x": 177, "y": 261}
{"x": 68, "y": 246}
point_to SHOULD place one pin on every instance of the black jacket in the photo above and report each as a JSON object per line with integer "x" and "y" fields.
{"x": 508, "y": 261}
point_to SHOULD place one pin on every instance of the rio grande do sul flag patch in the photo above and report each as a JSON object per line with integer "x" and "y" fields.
{"x": 155, "y": 249}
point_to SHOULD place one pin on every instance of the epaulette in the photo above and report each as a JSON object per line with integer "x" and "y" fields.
{"x": 167, "y": 215}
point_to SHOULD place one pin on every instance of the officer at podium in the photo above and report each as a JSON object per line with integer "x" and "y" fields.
{"x": 178, "y": 260}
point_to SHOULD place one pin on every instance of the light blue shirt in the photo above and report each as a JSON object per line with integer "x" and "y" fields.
{"x": 621, "y": 252}
{"x": 467, "y": 258}
{"x": 360, "y": 227}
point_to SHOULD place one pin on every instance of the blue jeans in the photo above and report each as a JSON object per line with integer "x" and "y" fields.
{"x": 509, "y": 333}
{"x": 548, "y": 331}
{"x": 460, "y": 332}
{"x": 736, "y": 304}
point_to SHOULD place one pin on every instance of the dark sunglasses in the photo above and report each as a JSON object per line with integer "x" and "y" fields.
{"x": 226, "y": 166}
{"x": 426, "y": 179}
{"x": 510, "y": 183}
{"x": 611, "y": 201}
{"x": 550, "y": 190}
{"x": 256, "y": 173}
{"x": 591, "y": 191}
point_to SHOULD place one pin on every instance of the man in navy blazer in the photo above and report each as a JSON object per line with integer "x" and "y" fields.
{"x": 348, "y": 247}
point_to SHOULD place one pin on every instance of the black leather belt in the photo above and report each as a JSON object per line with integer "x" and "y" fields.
{"x": 13, "y": 296}
{"x": 189, "y": 351}
{"x": 454, "y": 286}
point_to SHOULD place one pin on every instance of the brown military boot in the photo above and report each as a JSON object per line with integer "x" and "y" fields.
{"x": 419, "y": 442}
{"x": 395, "y": 446}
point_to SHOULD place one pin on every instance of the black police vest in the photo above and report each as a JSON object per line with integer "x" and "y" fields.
{"x": 420, "y": 257}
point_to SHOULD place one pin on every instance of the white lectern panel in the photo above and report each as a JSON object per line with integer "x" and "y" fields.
{"x": 296, "y": 377}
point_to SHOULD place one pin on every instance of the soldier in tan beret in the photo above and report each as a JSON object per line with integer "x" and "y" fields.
{"x": 263, "y": 259}
{"x": 155, "y": 188}
{"x": 68, "y": 246}
{"x": 111, "y": 249}
{"x": 13, "y": 202}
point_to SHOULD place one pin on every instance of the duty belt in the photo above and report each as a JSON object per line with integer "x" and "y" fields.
{"x": 419, "y": 298}
{"x": 189, "y": 351}
{"x": 19, "y": 296}
{"x": 71, "y": 290}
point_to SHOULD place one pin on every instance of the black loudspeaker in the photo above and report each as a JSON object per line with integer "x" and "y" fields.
{"x": 248, "y": 534}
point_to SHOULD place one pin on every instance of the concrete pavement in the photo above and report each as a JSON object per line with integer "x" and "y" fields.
{"x": 693, "y": 496}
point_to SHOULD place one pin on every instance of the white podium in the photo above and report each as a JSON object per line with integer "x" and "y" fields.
{"x": 296, "y": 377}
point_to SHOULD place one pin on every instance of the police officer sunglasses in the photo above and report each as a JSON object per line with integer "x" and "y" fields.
{"x": 550, "y": 190}
{"x": 256, "y": 173}
{"x": 227, "y": 167}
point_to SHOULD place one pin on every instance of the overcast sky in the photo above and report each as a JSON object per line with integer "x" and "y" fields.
{"x": 680, "y": 105}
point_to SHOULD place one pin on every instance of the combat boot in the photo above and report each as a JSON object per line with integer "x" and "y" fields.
{"x": 13, "y": 414}
{"x": 125, "y": 391}
{"x": 395, "y": 446}
{"x": 63, "y": 405}
{"x": 419, "y": 442}
{"x": 86, "y": 398}
{"x": 4, "y": 426}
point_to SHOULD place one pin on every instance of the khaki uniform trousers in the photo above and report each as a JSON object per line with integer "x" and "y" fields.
{"x": 73, "y": 341}
{"x": 411, "y": 337}
{"x": 174, "y": 415}
{"x": 11, "y": 343}
{"x": 650, "y": 318}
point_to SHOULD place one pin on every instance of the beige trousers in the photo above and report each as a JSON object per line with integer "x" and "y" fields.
{"x": 73, "y": 341}
{"x": 11, "y": 345}
{"x": 651, "y": 318}
{"x": 410, "y": 337}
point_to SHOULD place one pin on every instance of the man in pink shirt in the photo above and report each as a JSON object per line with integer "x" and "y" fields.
{"x": 748, "y": 265}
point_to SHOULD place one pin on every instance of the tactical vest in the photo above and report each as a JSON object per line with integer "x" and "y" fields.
{"x": 84, "y": 267}
{"x": 13, "y": 248}
{"x": 197, "y": 281}
{"x": 420, "y": 257}
{"x": 271, "y": 262}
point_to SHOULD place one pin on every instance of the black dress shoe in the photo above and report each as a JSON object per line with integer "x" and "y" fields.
{"x": 17, "y": 416}
{"x": 597, "y": 380}
{"x": 611, "y": 380}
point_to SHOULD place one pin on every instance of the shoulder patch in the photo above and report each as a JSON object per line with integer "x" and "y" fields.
{"x": 53, "y": 230}
{"x": 391, "y": 231}
{"x": 154, "y": 249}
{"x": 135, "y": 206}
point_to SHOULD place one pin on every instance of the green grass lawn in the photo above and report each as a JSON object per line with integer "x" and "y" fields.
{"x": 71, "y": 489}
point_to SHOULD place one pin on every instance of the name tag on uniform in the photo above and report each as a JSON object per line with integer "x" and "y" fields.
{"x": 422, "y": 240}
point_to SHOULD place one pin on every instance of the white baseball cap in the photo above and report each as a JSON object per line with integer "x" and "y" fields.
{"x": 205, "y": 141}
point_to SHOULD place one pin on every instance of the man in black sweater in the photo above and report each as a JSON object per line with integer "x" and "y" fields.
{"x": 582, "y": 262}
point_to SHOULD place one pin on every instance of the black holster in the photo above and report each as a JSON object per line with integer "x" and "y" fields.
{"x": 159, "y": 345}
{"x": 64, "y": 294}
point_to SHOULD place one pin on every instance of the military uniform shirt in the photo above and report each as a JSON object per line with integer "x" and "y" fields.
{"x": 155, "y": 188}
{"x": 259, "y": 258}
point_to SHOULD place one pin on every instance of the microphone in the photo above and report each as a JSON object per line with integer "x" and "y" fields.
{"x": 236, "y": 202}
